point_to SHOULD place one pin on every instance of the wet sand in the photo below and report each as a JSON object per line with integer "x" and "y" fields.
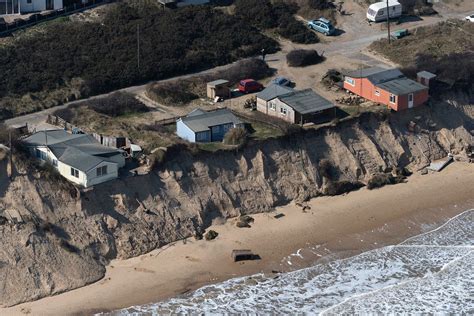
{"x": 339, "y": 226}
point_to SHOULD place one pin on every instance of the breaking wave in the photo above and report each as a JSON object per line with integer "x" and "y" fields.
{"x": 429, "y": 273}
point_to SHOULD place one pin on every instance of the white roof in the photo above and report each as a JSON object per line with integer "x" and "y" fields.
{"x": 383, "y": 4}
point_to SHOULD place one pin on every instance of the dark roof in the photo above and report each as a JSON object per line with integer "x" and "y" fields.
{"x": 217, "y": 82}
{"x": 273, "y": 91}
{"x": 376, "y": 75}
{"x": 80, "y": 151}
{"x": 203, "y": 122}
{"x": 306, "y": 101}
{"x": 402, "y": 86}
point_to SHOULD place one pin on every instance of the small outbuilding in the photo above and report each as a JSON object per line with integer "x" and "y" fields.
{"x": 424, "y": 77}
{"x": 205, "y": 127}
{"x": 218, "y": 88}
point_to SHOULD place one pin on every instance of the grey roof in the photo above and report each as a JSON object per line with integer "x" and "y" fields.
{"x": 426, "y": 74}
{"x": 306, "y": 101}
{"x": 80, "y": 151}
{"x": 376, "y": 75}
{"x": 273, "y": 91}
{"x": 217, "y": 82}
{"x": 402, "y": 86}
{"x": 203, "y": 122}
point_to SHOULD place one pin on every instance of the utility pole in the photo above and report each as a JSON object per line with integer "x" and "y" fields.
{"x": 388, "y": 23}
{"x": 138, "y": 47}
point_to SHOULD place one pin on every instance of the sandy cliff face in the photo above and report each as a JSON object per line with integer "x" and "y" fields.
{"x": 66, "y": 237}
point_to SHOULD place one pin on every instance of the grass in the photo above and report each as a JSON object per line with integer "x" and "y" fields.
{"x": 264, "y": 131}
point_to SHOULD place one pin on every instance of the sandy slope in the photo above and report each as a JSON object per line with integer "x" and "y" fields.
{"x": 344, "y": 225}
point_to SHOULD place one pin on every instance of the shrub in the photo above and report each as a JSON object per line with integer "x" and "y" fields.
{"x": 340, "y": 187}
{"x": 117, "y": 104}
{"x": 321, "y": 4}
{"x": 296, "y": 31}
{"x": 326, "y": 168}
{"x": 381, "y": 179}
{"x": 235, "y": 136}
{"x": 170, "y": 94}
{"x": 265, "y": 15}
{"x": 157, "y": 158}
{"x": 303, "y": 57}
{"x": 171, "y": 45}
{"x": 210, "y": 235}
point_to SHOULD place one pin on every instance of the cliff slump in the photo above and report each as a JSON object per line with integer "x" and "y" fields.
{"x": 64, "y": 238}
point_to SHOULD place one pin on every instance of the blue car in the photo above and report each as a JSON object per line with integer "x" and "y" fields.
{"x": 322, "y": 25}
{"x": 281, "y": 81}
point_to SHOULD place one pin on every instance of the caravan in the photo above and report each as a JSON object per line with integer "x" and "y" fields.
{"x": 378, "y": 11}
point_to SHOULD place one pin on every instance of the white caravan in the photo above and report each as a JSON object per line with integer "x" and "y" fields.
{"x": 378, "y": 11}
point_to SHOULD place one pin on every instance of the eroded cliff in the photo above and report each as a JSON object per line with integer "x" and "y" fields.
{"x": 66, "y": 237}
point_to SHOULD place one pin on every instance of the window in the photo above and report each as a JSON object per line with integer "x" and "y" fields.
{"x": 377, "y": 93}
{"x": 283, "y": 111}
{"x": 410, "y": 97}
{"x": 272, "y": 106}
{"x": 74, "y": 172}
{"x": 40, "y": 154}
{"x": 101, "y": 171}
{"x": 392, "y": 98}
{"x": 55, "y": 163}
{"x": 350, "y": 81}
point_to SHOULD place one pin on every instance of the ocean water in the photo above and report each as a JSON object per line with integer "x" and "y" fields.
{"x": 429, "y": 273}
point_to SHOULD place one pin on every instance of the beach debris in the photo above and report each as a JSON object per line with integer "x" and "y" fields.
{"x": 243, "y": 254}
{"x": 424, "y": 172}
{"x": 279, "y": 215}
{"x": 245, "y": 221}
{"x": 440, "y": 164}
{"x": 210, "y": 235}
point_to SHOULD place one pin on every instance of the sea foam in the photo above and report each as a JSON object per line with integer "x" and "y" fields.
{"x": 429, "y": 273}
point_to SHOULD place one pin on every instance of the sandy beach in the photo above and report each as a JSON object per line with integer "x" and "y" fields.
{"x": 342, "y": 226}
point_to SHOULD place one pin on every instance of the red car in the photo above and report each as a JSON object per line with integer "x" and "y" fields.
{"x": 249, "y": 86}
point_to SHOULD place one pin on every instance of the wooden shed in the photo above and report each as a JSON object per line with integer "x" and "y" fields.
{"x": 218, "y": 88}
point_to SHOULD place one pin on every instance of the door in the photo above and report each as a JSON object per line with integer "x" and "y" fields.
{"x": 49, "y": 4}
{"x": 410, "y": 100}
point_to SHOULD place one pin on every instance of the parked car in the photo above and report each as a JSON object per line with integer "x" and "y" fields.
{"x": 322, "y": 25}
{"x": 470, "y": 18}
{"x": 282, "y": 81}
{"x": 249, "y": 86}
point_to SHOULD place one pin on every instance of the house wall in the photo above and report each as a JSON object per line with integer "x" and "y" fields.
{"x": 203, "y": 137}
{"x": 119, "y": 159}
{"x": 364, "y": 88}
{"x": 91, "y": 177}
{"x": 218, "y": 131}
{"x": 183, "y": 131}
{"x": 277, "y": 112}
{"x": 262, "y": 106}
{"x": 38, "y": 5}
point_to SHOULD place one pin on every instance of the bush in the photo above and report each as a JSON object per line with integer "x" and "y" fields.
{"x": 171, "y": 46}
{"x": 326, "y": 169}
{"x": 170, "y": 94}
{"x": 341, "y": 187}
{"x": 381, "y": 179}
{"x": 235, "y": 136}
{"x": 296, "y": 31}
{"x": 303, "y": 57}
{"x": 265, "y": 15}
{"x": 117, "y": 104}
{"x": 321, "y": 4}
{"x": 210, "y": 235}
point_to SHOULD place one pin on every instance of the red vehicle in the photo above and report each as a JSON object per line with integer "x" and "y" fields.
{"x": 249, "y": 86}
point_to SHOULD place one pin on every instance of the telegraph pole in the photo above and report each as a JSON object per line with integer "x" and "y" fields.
{"x": 388, "y": 23}
{"x": 138, "y": 47}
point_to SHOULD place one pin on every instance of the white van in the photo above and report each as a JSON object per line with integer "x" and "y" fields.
{"x": 378, "y": 11}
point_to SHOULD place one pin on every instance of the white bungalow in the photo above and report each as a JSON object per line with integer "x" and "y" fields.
{"x": 77, "y": 157}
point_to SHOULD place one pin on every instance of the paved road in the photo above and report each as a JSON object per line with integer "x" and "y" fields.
{"x": 350, "y": 48}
